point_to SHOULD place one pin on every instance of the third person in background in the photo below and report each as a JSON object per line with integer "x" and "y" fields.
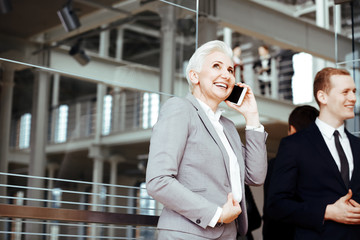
{"x": 300, "y": 118}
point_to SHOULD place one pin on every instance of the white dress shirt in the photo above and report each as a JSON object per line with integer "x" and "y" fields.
{"x": 327, "y": 132}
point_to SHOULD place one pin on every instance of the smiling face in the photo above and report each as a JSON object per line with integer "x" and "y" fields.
{"x": 338, "y": 103}
{"x": 214, "y": 83}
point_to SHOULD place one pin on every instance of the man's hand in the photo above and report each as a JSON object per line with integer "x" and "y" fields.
{"x": 230, "y": 211}
{"x": 345, "y": 210}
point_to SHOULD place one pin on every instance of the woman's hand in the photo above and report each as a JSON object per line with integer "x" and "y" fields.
{"x": 248, "y": 108}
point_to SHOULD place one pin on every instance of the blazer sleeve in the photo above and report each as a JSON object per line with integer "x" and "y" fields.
{"x": 255, "y": 155}
{"x": 167, "y": 145}
{"x": 283, "y": 202}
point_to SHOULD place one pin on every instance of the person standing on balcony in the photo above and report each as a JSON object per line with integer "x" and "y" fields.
{"x": 262, "y": 68}
{"x": 238, "y": 64}
{"x": 315, "y": 183}
{"x": 197, "y": 164}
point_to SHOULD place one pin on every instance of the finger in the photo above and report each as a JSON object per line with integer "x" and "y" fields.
{"x": 231, "y": 105}
{"x": 354, "y": 203}
{"x": 234, "y": 201}
{"x": 348, "y": 196}
{"x": 230, "y": 197}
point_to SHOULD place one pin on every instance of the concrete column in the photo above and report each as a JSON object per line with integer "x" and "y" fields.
{"x": 322, "y": 13}
{"x": 228, "y": 36}
{"x": 322, "y": 20}
{"x": 119, "y": 44}
{"x": 104, "y": 43}
{"x": 7, "y": 85}
{"x": 167, "y": 58}
{"x": 116, "y": 109}
{"x": 38, "y": 140}
{"x": 55, "y": 105}
{"x": 337, "y": 27}
{"x": 54, "y": 228}
{"x": 114, "y": 161}
{"x": 98, "y": 154}
{"x": 101, "y": 90}
{"x": 51, "y": 168}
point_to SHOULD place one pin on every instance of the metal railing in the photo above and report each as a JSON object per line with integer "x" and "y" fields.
{"x": 69, "y": 209}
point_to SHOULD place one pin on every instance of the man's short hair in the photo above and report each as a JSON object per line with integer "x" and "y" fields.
{"x": 322, "y": 79}
{"x": 302, "y": 116}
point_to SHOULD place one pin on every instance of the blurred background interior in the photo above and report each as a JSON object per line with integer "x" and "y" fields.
{"x": 82, "y": 81}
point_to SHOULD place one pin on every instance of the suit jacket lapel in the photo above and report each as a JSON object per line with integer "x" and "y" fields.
{"x": 355, "y": 148}
{"x": 317, "y": 140}
{"x": 210, "y": 128}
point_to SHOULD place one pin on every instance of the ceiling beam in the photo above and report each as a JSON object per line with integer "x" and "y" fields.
{"x": 280, "y": 29}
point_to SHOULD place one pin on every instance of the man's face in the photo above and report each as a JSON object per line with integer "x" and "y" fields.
{"x": 341, "y": 98}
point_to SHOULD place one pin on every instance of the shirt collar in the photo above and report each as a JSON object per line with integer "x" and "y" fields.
{"x": 216, "y": 116}
{"x": 328, "y": 130}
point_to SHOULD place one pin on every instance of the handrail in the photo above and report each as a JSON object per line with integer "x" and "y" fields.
{"x": 71, "y": 215}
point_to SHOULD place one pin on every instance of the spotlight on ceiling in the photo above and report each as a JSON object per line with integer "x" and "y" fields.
{"x": 5, "y": 6}
{"x": 68, "y": 17}
{"x": 79, "y": 54}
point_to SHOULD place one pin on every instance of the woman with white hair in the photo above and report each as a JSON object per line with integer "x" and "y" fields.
{"x": 197, "y": 163}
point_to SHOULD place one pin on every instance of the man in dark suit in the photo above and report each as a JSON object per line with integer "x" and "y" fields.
{"x": 300, "y": 118}
{"x": 316, "y": 179}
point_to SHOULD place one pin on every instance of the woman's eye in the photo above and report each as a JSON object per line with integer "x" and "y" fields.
{"x": 216, "y": 66}
{"x": 231, "y": 71}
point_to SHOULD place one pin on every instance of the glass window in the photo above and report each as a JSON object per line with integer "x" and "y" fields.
{"x": 151, "y": 103}
{"x": 61, "y": 131}
{"x": 302, "y": 79}
{"x": 107, "y": 115}
{"x": 25, "y": 127}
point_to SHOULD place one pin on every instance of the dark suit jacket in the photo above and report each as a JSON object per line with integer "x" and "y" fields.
{"x": 305, "y": 180}
{"x": 274, "y": 229}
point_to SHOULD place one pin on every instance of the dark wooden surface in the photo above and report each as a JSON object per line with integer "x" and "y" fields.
{"x": 70, "y": 215}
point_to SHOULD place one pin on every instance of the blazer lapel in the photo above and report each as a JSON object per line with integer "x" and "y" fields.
{"x": 210, "y": 128}
{"x": 233, "y": 140}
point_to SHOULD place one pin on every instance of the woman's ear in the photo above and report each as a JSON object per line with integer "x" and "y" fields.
{"x": 194, "y": 77}
{"x": 321, "y": 96}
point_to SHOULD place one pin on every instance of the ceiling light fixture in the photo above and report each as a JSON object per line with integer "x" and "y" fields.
{"x": 68, "y": 17}
{"x": 79, "y": 54}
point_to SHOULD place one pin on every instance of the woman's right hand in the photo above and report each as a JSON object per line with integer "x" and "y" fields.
{"x": 230, "y": 210}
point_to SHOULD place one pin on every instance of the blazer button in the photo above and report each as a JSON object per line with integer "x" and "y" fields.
{"x": 198, "y": 221}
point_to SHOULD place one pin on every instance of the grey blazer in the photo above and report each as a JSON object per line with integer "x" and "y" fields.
{"x": 188, "y": 167}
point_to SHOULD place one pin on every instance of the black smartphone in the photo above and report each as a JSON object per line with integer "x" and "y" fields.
{"x": 237, "y": 95}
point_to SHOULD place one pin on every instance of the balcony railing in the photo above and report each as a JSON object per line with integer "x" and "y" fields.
{"x": 68, "y": 209}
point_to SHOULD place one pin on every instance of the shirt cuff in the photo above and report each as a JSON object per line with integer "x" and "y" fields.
{"x": 258, "y": 128}
{"x": 216, "y": 217}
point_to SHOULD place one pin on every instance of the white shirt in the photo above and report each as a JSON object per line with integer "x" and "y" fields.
{"x": 233, "y": 163}
{"x": 327, "y": 132}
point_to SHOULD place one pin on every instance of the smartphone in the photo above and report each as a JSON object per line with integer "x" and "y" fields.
{"x": 237, "y": 95}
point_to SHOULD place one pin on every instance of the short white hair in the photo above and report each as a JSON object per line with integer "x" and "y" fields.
{"x": 197, "y": 59}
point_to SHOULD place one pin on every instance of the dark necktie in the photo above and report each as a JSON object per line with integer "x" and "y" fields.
{"x": 344, "y": 165}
